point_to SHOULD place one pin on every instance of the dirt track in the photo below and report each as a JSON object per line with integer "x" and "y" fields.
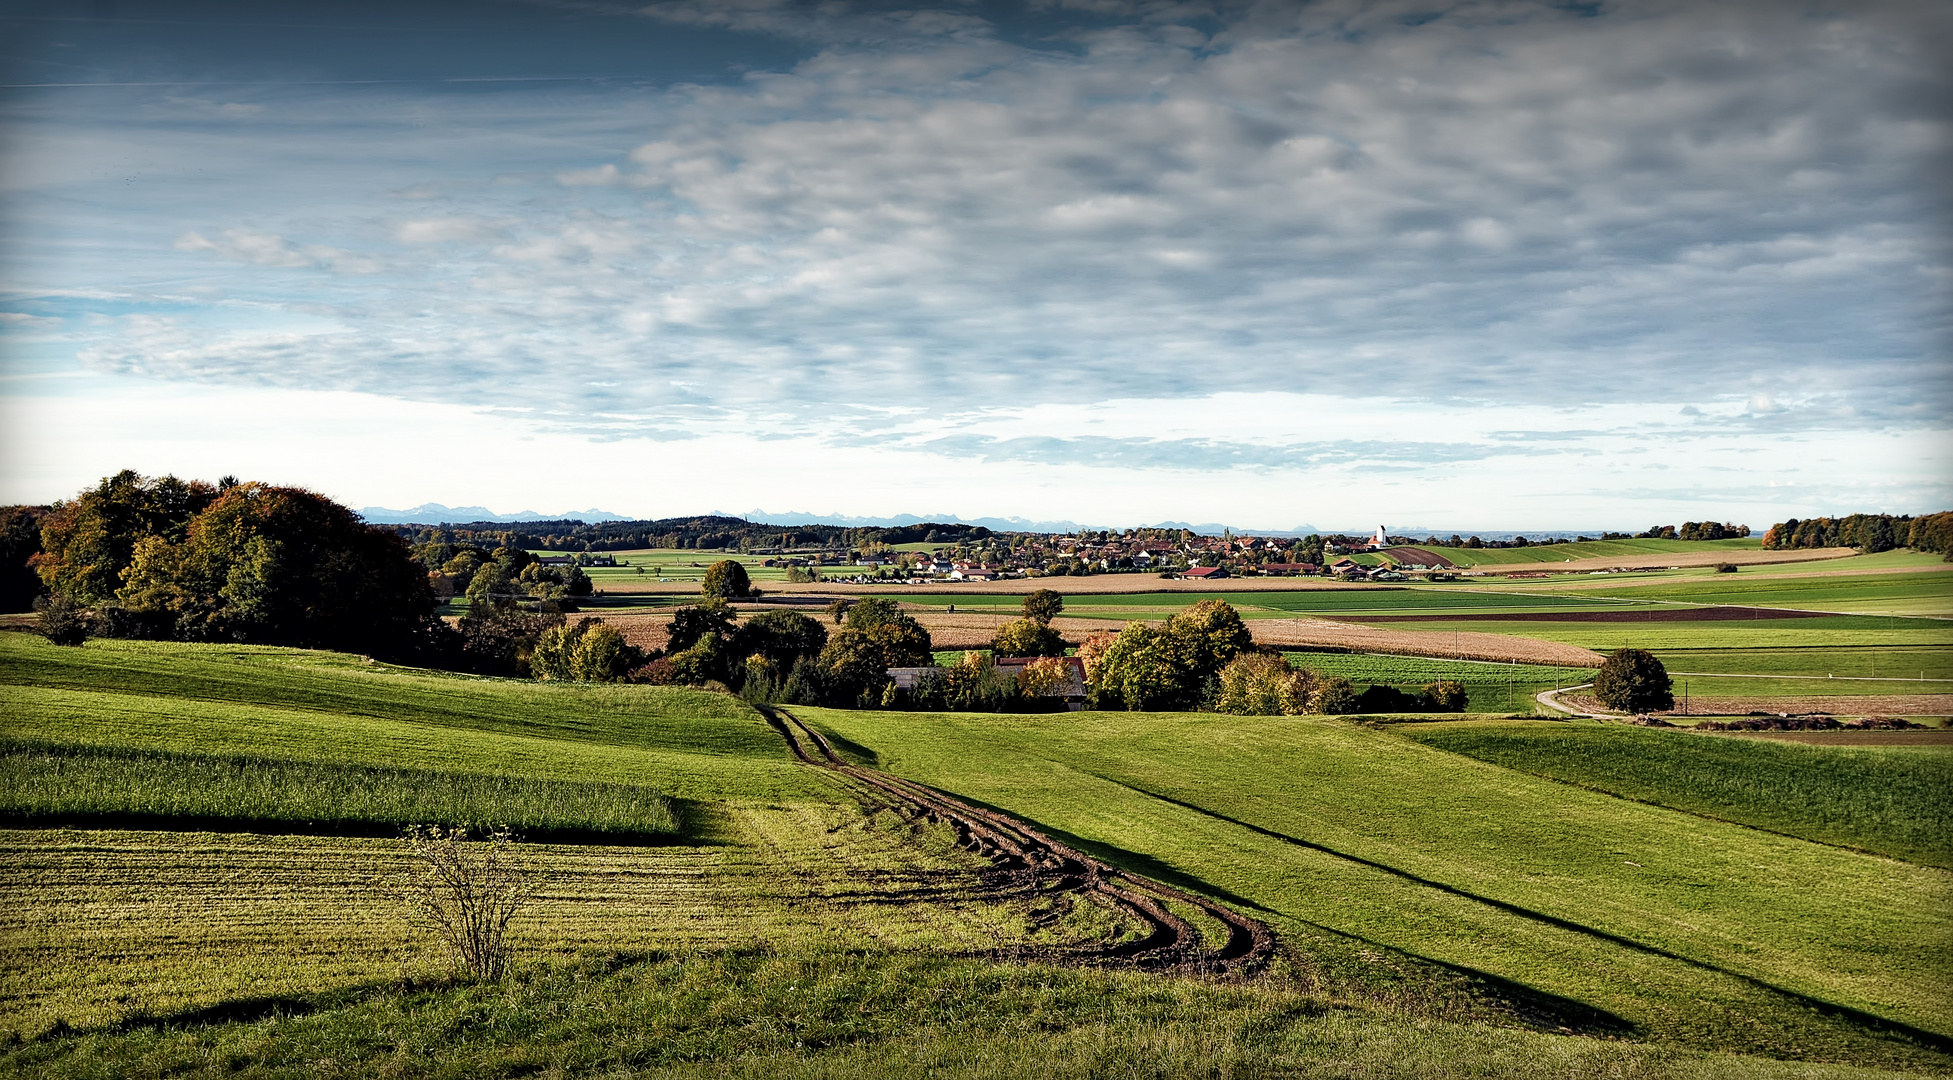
{"x": 1038, "y": 866}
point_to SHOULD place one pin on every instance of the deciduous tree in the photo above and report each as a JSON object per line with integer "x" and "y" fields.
{"x": 1634, "y": 680}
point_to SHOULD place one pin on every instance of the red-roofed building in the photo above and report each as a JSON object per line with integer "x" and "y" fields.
{"x": 1208, "y": 573}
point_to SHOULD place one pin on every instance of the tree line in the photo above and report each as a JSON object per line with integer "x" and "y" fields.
{"x": 1868, "y": 533}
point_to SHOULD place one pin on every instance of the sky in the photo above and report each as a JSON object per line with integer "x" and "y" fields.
{"x": 1496, "y": 264}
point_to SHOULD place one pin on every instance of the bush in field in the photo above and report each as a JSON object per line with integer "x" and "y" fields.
{"x": 63, "y": 622}
{"x": 469, "y": 890}
{"x": 1383, "y": 698}
{"x": 1446, "y": 695}
{"x": 1263, "y": 684}
{"x": 727, "y": 580}
{"x": 1332, "y": 695}
{"x": 1633, "y": 680}
{"x": 1027, "y": 637}
{"x": 586, "y": 652}
{"x": 1043, "y": 606}
{"x": 1725, "y": 568}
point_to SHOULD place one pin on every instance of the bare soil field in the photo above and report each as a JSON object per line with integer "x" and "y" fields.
{"x": 1649, "y": 614}
{"x": 1836, "y": 705}
{"x": 1849, "y": 738}
{"x": 1303, "y": 633}
{"x": 1669, "y": 558}
{"x": 1411, "y": 556}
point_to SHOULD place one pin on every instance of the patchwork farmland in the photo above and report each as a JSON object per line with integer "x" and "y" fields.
{"x": 1510, "y": 891}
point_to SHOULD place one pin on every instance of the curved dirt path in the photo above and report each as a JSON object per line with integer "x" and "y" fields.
{"x": 1040, "y": 866}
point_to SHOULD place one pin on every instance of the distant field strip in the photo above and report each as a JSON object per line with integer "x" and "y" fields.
{"x": 1897, "y": 803}
{"x": 46, "y": 784}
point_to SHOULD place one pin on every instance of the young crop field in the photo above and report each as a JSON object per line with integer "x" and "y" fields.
{"x": 1896, "y": 802}
{"x": 45, "y": 784}
{"x": 1921, "y": 592}
{"x": 1490, "y": 687}
{"x": 1675, "y": 927}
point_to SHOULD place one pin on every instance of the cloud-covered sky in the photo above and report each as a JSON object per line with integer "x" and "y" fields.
{"x": 1457, "y": 263}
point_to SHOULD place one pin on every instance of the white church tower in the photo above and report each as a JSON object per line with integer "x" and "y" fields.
{"x": 1379, "y": 541}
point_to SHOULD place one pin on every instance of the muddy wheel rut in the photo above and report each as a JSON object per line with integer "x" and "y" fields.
{"x": 1027, "y": 864}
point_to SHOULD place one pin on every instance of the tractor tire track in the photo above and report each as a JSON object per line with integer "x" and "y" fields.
{"x": 1033, "y": 864}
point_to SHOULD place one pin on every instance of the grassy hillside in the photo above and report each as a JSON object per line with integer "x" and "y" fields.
{"x": 1896, "y": 802}
{"x": 1682, "y": 929}
{"x": 1433, "y": 908}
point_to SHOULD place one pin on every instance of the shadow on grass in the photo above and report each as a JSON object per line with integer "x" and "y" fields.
{"x": 1870, "y": 1023}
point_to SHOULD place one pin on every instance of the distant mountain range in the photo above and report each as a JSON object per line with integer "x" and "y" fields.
{"x": 435, "y": 514}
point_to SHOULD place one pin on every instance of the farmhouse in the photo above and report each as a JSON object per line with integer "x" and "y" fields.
{"x": 1289, "y": 569}
{"x": 1209, "y": 573}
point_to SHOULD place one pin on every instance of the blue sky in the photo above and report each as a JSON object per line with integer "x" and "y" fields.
{"x": 1495, "y": 264}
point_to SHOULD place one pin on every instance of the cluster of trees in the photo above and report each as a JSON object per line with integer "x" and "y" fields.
{"x": 789, "y": 658}
{"x": 499, "y": 580}
{"x": 1692, "y": 530}
{"x": 247, "y": 562}
{"x": 1866, "y": 532}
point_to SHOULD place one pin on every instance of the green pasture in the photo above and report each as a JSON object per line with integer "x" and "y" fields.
{"x": 1680, "y": 929}
{"x": 1890, "y": 801}
{"x": 1838, "y": 631}
{"x": 334, "y": 709}
{"x": 53, "y": 784}
{"x": 854, "y": 1014}
{"x": 1842, "y": 663}
{"x": 1490, "y": 687}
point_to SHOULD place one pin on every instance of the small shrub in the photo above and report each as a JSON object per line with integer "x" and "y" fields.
{"x": 63, "y": 622}
{"x": 1725, "y": 568}
{"x": 1446, "y": 695}
{"x": 469, "y": 889}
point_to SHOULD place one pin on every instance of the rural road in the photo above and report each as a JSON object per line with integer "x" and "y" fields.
{"x": 1551, "y": 699}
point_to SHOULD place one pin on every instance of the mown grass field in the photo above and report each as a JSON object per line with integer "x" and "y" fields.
{"x": 1891, "y": 801}
{"x": 1680, "y": 929}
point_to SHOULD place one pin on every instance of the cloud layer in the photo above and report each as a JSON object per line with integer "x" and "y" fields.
{"x": 1728, "y": 207}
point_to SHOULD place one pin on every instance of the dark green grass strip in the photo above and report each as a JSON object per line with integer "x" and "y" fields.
{"x": 44, "y": 784}
{"x": 1897, "y": 803}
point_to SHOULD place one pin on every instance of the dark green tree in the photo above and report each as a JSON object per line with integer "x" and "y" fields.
{"x": 88, "y": 541}
{"x": 20, "y": 541}
{"x": 1043, "y": 606}
{"x": 727, "y": 580}
{"x": 1633, "y": 680}
{"x": 690, "y": 623}
{"x": 783, "y": 637}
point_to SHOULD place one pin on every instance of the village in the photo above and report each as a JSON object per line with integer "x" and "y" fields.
{"x": 1182, "y": 554}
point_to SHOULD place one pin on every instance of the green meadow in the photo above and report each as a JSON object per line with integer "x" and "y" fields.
{"x": 707, "y": 906}
{"x": 1674, "y": 927}
{"x": 1894, "y": 801}
{"x": 1589, "y": 549}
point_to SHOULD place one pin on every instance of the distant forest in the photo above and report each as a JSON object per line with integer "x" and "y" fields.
{"x": 1866, "y": 532}
{"x": 710, "y": 533}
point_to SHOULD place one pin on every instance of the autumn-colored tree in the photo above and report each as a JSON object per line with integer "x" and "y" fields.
{"x": 88, "y": 541}
{"x": 1043, "y": 606}
{"x": 1263, "y": 684}
{"x": 279, "y": 565}
{"x": 1027, "y": 637}
{"x": 727, "y": 579}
